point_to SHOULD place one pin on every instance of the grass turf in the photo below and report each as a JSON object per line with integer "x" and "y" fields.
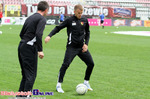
{"x": 121, "y": 64}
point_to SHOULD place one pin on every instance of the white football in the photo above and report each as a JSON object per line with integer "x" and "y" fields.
{"x": 81, "y": 89}
{"x": 1, "y": 32}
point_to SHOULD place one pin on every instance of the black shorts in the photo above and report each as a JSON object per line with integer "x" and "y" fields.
{"x": 0, "y": 20}
{"x": 102, "y": 21}
{"x": 61, "y": 20}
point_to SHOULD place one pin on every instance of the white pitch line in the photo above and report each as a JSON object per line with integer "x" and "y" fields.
{"x": 138, "y": 33}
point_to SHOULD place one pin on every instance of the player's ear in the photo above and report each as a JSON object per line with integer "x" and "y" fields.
{"x": 46, "y": 11}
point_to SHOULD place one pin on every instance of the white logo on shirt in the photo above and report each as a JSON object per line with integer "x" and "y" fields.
{"x": 73, "y": 23}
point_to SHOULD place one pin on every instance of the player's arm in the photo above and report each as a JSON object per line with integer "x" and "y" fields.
{"x": 87, "y": 37}
{"x": 39, "y": 34}
{"x": 22, "y": 31}
{"x": 87, "y": 33}
{"x": 56, "y": 30}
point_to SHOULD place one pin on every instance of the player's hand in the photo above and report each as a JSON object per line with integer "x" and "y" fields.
{"x": 47, "y": 39}
{"x": 41, "y": 55}
{"x": 84, "y": 48}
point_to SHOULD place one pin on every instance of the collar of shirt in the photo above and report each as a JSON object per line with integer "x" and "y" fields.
{"x": 75, "y": 17}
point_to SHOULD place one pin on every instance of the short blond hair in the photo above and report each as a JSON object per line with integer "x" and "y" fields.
{"x": 78, "y": 6}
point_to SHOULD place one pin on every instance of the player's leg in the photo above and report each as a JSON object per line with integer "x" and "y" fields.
{"x": 87, "y": 58}
{"x": 29, "y": 64}
{"x": 61, "y": 21}
{"x": 35, "y": 59}
{"x": 102, "y": 22}
{"x": 69, "y": 56}
{"x": 22, "y": 83}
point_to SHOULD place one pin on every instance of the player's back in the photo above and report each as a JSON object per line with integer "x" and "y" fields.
{"x": 29, "y": 28}
{"x": 102, "y": 16}
{"x": 62, "y": 17}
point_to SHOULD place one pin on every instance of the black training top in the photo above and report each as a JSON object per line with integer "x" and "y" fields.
{"x": 77, "y": 30}
{"x": 32, "y": 30}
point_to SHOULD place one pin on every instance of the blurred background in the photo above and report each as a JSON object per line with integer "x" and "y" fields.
{"x": 117, "y": 12}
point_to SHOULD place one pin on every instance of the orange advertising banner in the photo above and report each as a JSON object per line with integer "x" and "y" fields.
{"x": 147, "y": 23}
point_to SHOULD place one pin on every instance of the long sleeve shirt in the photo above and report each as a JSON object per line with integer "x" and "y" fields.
{"x": 77, "y": 30}
{"x": 32, "y": 30}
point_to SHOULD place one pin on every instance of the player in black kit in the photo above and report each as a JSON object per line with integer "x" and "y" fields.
{"x": 78, "y": 38}
{"x": 31, "y": 46}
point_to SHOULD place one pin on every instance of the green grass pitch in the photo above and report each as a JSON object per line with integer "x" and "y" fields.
{"x": 122, "y": 64}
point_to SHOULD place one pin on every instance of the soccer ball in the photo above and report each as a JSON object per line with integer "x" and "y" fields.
{"x": 1, "y": 32}
{"x": 81, "y": 89}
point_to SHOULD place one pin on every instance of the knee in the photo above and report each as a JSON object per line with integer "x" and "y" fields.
{"x": 31, "y": 78}
{"x": 91, "y": 64}
{"x": 65, "y": 65}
